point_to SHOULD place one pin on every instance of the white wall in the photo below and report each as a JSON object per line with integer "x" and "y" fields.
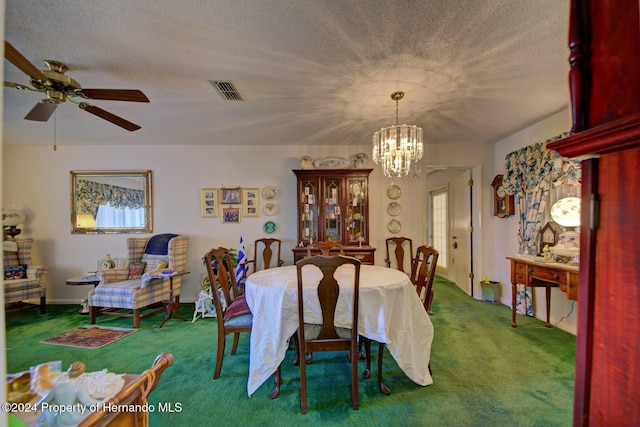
{"x": 36, "y": 179}
{"x": 500, "y": 270}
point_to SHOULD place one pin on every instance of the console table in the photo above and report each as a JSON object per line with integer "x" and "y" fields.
{"x": 531, "y": 272}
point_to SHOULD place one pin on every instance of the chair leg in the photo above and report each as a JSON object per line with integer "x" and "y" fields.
{"x": 93, "y": 314}
{"x": 278, "y": 381}
{"x": 43, "y": 304}
{"x": 296, "y": 346}
{"x": 136, "y": 318}
{"x": 367, "y": 350}
{"x": 428, "y": 305}
{"x": 383, "y": 388}
{"x": 303, "y": 380}
{"x": 219, "y": 355}
{"x": 354, "y": 377}
{"x": 234, "y": 347}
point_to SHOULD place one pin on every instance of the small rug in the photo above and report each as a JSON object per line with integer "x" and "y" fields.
{"x": 89, "y": 336}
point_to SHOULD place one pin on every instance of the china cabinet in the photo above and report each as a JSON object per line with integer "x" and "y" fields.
{"x": 604, "y": 82}
{"x": 333, "y": 206}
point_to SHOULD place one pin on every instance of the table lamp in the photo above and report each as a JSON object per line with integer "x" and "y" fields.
{"x": 566, "y": 212}
{"x": 11, "y": 218}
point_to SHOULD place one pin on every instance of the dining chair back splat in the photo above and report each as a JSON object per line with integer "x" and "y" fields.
{"x": 328, "y": 338}
{"x": 423, "y": 271}
{"x": 266, "y": 254}
{"x": 399, "y": 246}
{"x": 325, "y": 248}
{"x": 236, "y": 318}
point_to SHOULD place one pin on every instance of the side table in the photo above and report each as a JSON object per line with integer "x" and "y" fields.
{"x": 81, "y": 281}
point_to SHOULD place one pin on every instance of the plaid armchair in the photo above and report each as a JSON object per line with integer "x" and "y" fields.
{"x": 117, "y": 290}
{"x": 18, "y": 288}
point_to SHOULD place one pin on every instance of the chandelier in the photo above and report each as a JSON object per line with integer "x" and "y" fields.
{"x": 395, "y": 147}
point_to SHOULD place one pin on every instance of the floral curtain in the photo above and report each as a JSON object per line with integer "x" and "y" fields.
{"x": 530, "y": 173}
{"x": 90, "y": 195}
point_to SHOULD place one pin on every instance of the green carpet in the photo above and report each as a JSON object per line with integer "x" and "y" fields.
{"x": 485, "y": 372}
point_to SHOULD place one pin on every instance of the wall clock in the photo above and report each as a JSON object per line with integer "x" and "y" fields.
{"x": 502, "y": 202}
{"x": 549, "y": 235}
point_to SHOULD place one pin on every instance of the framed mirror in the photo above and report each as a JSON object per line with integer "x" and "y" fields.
{"x": 111, "y": 202}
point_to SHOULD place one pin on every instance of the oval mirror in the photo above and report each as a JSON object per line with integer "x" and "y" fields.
{"x": 111, "y": 202}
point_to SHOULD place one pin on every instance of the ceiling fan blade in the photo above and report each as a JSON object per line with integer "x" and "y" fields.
{"x": 22, "y": 63}
{"x": 16, "y": 86}
{"x": 131, "y": 95}
{"x": 42, "y": 111}
{"x": 109, "y": 116}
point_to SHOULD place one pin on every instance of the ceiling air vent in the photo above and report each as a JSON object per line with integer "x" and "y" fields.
{"x": 227, "y": 89}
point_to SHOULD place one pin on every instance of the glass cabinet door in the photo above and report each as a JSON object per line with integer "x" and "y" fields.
{"x": 356, "y": 228}
{"x": 332, "y": 215}
{"x": 309, "y": 199}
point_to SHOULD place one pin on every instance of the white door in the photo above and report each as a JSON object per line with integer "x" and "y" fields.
{"x": 440, "y": 228}
{"x": 460, "y": 229}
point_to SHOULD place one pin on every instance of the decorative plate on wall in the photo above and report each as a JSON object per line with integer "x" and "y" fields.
{"x": 394, "y": 209}
{"x": 332, "y": 163}
{"x": 270, "y": 193}
{"x": 270, "y": 209}
{"x": 269, "y": 227}
{"x": 360, "y": 161}
{"x": 394, "y": 226}
{"x": 394, "y": 192}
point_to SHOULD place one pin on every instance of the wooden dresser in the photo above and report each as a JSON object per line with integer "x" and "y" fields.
{"x": 529, "y": 272}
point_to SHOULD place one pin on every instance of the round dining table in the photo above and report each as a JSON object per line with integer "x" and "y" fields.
{"x": 390, "y": 312}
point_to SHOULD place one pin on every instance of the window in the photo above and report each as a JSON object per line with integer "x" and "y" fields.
{"x": 440, "y": 226}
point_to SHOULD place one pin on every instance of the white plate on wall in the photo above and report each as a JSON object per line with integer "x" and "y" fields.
{"x": 270, "y": 193}
{"x": 332, "y": 163}
{"x": 394, "y": 192}
{"x": 270, "y": 209}
{"x": 394, "y": 209}
{"x": 394, "y": 226}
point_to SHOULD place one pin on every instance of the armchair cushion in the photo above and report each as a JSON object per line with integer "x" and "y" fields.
{"x": 22, "y": 281}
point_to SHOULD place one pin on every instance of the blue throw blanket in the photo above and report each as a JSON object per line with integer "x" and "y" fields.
{"x": 159, "y": 244}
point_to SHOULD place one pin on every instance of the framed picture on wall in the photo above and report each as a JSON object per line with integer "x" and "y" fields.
{"x": 231, "y": 196}
{"x": 209, "y": 203}
{"x": 230, "y": 215}
{"x": 251, "y": 197}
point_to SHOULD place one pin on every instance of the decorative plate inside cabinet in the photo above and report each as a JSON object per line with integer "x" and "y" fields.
{"x": 394, "y": 209}
{"x": 394, "y": 192}
{"x": 394, "y": 226}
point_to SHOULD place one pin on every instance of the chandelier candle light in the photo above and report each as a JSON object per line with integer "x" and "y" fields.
{"x": 395, "y": 147}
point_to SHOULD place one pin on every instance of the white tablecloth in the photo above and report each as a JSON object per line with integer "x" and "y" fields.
{"x": 390, "y": 312}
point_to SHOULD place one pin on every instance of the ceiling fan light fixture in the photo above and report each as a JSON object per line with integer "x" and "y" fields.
{"x": 396, "y": 147}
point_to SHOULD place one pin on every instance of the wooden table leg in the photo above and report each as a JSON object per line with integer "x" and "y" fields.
{"x": 172, "y": 306}
{"x": 548, "y": 291}
{"x": 514, "y": 289}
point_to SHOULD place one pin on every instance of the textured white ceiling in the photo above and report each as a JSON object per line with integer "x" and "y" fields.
{"x": 312, "y": 71}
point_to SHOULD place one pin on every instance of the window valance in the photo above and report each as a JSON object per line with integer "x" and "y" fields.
{"x": 535, "y": 167}
{"x": 90, "y": 195}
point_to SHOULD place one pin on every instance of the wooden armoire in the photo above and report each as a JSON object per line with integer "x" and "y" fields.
{"x": 604, "y": 81}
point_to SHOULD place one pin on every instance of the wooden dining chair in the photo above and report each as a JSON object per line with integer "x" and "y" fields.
{"x": 328, "y": 337}
{"x": 423, "y": 271}
{"x": 325, "y": 248}
{"x": 237, "y": 317}
{"x": 399, "y": 246}
{"x": 266, "y": 254}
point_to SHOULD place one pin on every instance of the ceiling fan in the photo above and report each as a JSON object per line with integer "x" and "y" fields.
{"x": 60, "y": 88}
